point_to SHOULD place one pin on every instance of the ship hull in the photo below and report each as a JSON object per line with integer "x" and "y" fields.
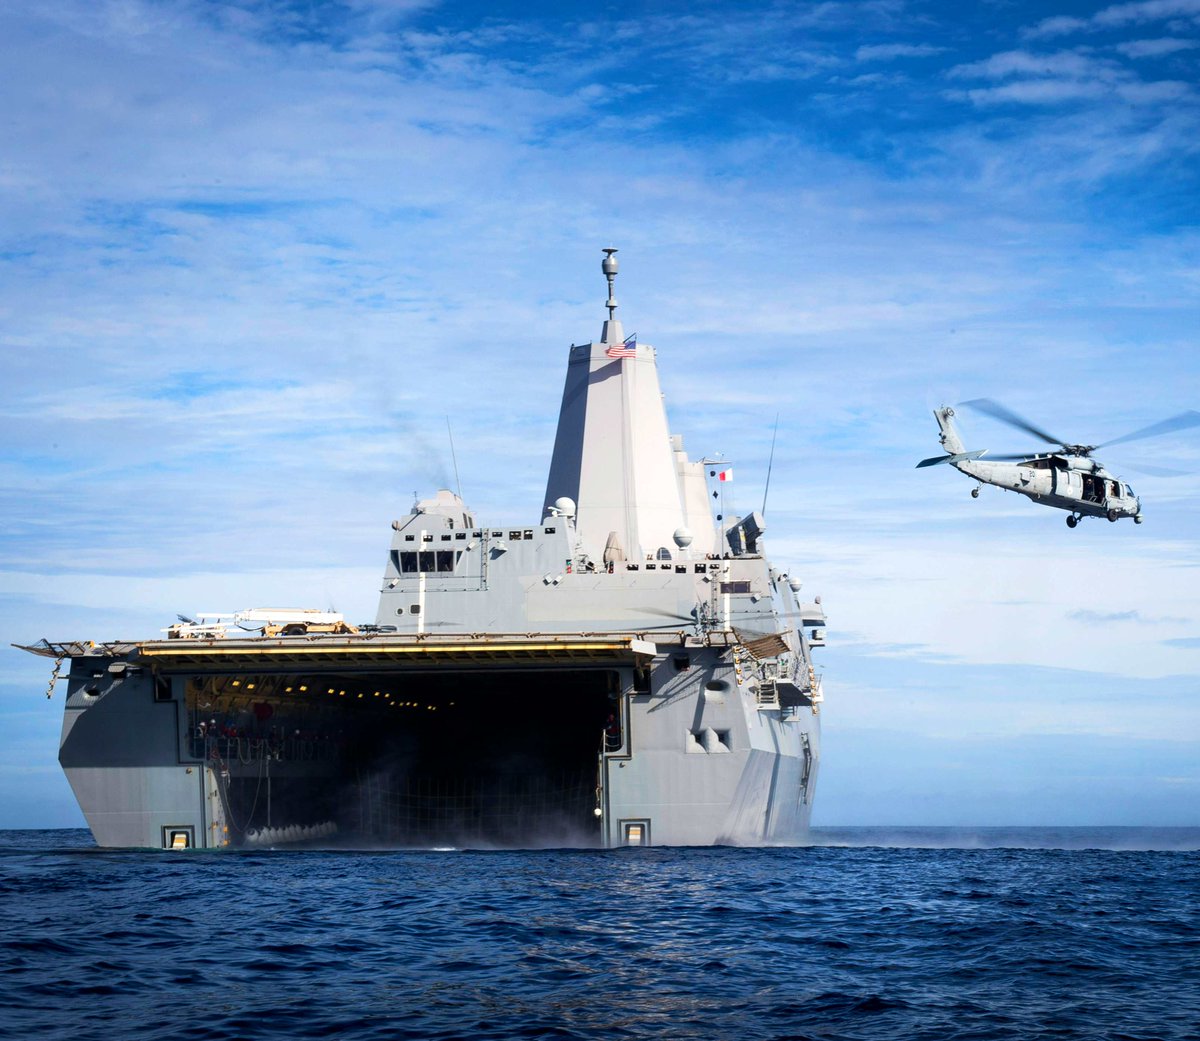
{"x": 578, "y": 741}
{"x": 628, "y": 670}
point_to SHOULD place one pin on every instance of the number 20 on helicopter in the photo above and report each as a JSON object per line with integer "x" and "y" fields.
{"x": 1067, "y": 479}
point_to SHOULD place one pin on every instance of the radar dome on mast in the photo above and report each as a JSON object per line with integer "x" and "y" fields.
{"x": 612, "y": 331}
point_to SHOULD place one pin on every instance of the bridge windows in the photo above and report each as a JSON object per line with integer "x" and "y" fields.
{"x": 427, "y": 561}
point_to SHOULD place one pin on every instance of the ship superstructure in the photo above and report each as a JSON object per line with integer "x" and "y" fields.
{"x": 626, "y": 671}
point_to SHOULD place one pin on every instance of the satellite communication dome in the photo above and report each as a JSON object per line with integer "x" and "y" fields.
{"x": 682, "y": 537}
{"x": 565, "y": 506}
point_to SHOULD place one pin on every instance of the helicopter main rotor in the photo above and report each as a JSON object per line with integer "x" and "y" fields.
{"x": 994, "y": 409}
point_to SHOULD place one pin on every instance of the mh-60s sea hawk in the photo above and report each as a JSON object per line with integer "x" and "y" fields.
{"x": 1069, "y": 479}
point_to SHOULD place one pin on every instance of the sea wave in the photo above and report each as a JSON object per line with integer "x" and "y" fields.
{"x": 844, "y": 941}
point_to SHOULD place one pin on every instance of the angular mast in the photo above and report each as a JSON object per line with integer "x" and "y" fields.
{"x": 613, "y": 454}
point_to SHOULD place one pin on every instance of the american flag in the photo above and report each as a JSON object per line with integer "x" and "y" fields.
{"x": 628, "y": 349}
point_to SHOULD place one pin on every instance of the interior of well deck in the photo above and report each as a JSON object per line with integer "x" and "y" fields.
{"x": 407, "y": 759}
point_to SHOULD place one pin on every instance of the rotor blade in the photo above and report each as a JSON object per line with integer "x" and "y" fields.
{"x": 688, "y": 619}
{"x": 1155, "y": 471}
{"x": 998, "y": 411}
{"x": 1182, "y": 421}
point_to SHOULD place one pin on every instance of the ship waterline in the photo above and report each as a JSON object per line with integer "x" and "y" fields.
{"x": 631, "y": 670}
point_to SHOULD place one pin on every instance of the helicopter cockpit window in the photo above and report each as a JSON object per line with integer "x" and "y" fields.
{"x": 1129, "y": 490}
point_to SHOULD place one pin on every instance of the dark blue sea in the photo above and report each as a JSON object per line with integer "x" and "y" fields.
{"x": 914, "y": 934}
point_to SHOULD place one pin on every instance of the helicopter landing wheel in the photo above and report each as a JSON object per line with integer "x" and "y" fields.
{"x": 1112, "y": 516}
{"x": 1072, "y": 520}
{"x": 974, "y": 493}
{"x": 1137, "y": 518}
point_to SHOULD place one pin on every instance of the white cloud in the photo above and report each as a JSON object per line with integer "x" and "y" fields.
{"x": 1008, "y": 64}
{"x": 1058, "y": 25}
{"x": 891, "y": 51}
{"x": 1156, "y": 48}
{"x": 1187, "y": 12}
{"x": 1062, "y": 77}
{"x": 246, "y": 278}
{"x": 928, "y": 602}
{"x": 1038, "y": 92}
{"x": 1148, "y": 11}
{"x": 1159, "y": 92}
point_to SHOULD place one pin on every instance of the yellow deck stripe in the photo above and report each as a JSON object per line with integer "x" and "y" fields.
{"x": 376, "y": 650}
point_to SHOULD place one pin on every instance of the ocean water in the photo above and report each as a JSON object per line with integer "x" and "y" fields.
{"x": 914, "y": 934}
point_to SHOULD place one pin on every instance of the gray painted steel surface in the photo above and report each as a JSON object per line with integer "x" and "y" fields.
{"x": 625, "y": 591}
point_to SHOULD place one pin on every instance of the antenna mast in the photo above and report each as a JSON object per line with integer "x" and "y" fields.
{"x": 453, "y": 458}
{"x": 770, "y": 463}
{"x": 609, "y": 267}
{"x": 612, "y": 331}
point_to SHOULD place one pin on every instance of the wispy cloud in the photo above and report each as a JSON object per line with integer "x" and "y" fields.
{"x": 1056, "y": 25}
{"x": 1063, "y": 77}
{"x": 892, "y": 51}
{"x": 252, "y": 256}
{"x": 1061, "y": 64}
{"x": 1102, "y": 617}
{"x": 1156, "y": 48}
{"x": 1116, "y": 16}
{"x": 1148, "y": 11}
{"x": 1039, "y": 92}
{"x": 1109, "y": 617}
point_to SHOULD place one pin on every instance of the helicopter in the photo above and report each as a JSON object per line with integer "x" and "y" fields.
{"x": 1067, "y": 479}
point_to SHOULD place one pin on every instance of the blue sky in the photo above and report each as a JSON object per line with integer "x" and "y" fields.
{"x": 252, "y": 254}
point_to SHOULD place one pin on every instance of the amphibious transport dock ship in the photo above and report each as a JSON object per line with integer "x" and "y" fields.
{"x": 628, "y": 670}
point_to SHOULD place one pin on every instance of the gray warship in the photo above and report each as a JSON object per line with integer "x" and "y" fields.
{"x": 629, "y": 670}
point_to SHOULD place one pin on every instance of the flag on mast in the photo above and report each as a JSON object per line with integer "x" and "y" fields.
{"x": 726, "y": 474}
{"x": 628, "y": 349}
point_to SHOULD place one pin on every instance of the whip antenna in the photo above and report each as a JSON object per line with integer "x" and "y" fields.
{"x": 770, "y": 463}
{"x": 453, "y": 458}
